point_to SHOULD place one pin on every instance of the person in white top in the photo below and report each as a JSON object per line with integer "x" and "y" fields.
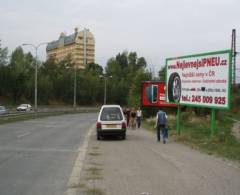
{"x": 139, "y": 117}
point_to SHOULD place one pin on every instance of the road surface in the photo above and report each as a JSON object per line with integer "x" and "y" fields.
{"x": 37, "y": 156}
{"x": 141, "y": 164}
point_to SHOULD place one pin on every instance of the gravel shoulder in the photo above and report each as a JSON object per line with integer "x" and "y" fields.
{"x": 141, "y": 164}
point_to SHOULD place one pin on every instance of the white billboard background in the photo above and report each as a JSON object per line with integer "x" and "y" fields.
{"x": 204, "y": 79}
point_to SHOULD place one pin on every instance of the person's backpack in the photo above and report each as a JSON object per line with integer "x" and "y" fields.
{"x": 162, "y": 119}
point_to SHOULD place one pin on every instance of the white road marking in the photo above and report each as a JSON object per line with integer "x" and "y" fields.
{"x": 22, "y": 135}
{"x": 74, "y": 179}
{"x": 19, "y": 149}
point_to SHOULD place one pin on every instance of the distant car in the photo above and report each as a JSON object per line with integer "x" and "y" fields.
{"x": 3, "y": 110}
{"x": 111, "y": 121}
{"x": 24, "y": 107}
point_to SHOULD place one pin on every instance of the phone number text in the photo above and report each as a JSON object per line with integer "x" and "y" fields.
{"x": 204, "y": 99}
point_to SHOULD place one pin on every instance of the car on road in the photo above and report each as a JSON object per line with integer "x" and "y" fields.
{"x": 3, "y": 110}
{"x": 24, "y": 107}
{"x": 111, "y": 121}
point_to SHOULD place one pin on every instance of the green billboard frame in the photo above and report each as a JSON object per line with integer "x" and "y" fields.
{"x": 213, "y": 112}
{"x": 229, "y": 77}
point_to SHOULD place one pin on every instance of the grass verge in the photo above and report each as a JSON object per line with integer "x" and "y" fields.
{"x": 195, "y": 131}
{"x": 94, "y": 191}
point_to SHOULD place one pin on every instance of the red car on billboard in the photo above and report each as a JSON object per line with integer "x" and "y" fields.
{"x": 153, "y": 94}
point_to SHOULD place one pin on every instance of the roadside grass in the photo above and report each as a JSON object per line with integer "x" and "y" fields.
{"x": 196, "y": 132}
{"x": 94, "y": 153}
{"x": 95, "y": 191}
{"x": 77, "y": 186}
{"x": 94, "y": 173}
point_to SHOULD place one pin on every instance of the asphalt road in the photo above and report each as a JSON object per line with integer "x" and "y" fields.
{"x": 141, "y": 164}
{"x": 37, "y": 156}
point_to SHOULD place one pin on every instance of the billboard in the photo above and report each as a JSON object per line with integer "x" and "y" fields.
{"x": 153, "y": 94}
{"x": 200, "y": 80}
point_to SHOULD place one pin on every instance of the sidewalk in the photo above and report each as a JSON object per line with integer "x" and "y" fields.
{"x": 141, "y": 164}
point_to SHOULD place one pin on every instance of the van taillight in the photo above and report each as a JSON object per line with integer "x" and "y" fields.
{"x": 124, "y": 126}
{"x": 99, "y": 125}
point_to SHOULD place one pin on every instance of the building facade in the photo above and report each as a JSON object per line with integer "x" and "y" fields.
{"x": 80, "y": 45}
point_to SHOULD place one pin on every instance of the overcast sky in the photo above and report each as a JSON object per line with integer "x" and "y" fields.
{"x": 155, "y": 29}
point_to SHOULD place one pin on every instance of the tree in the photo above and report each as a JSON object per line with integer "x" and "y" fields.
{"x": 141, "y": 62}
{"x": 63, "y": 82}
{"x": 94, "y": 68}
{"x": 113, "y": 68}
{"x": 127, "y": 71}
{"x": 135, "y": 88}
{"x": 56, "y": 79}
{"x": 3, "y": 55}
{"x": 161, "y": 74}
{"x": 3, "y": 70}
{"x": 4, "y": 80}
{"x": 21, "y": 71}
{"x": 122, "y": 59}
{"x": 132, "y": 59}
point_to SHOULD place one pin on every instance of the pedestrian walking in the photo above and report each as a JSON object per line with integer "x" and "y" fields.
{"x": 125, "y": 113}
{"x": 133, "y": 115}
{"x": 139, "y": 117}
{"x": 161, "y": 121}
{"x": 128, "y": 116}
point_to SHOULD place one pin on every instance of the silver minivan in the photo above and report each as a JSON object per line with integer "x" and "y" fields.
{"x": 111, "y": 121}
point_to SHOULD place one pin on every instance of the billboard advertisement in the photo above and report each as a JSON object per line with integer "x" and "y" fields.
{"x": 200, "y": 80}
{"x": 153, "y": 94}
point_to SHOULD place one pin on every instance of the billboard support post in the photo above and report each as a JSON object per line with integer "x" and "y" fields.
{"x": 213, "y": 122}
{"x": 178, "y": 120}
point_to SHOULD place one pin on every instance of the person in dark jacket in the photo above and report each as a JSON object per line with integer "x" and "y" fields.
{"x": 133, "y": 115}
{"x": 161, "y": 121}
{"x": 128, "y": 116}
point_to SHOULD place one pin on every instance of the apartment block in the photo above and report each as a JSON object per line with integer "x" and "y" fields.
{"x": 80, "y": 45}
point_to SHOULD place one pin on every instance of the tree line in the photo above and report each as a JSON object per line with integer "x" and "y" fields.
{"x": 124, "y": 74}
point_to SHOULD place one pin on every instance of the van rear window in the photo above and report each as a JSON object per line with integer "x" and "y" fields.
{"x": 111, "y": 114}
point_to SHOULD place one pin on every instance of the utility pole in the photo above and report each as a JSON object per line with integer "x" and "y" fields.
{"x": 75, "y": 88}
{"x": 234, "y": 53}
{"x": 85, "y": 33}
{"x": 105, "y": 77}
{"x": 105, "y": 90}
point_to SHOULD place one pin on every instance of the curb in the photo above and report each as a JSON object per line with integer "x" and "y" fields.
{"x": 74, "y": 180}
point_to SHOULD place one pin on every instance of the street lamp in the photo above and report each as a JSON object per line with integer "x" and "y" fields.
{"x": 75, "y": 88}
{"x": 36, "y": 71}
{"x": 105, "y": 86}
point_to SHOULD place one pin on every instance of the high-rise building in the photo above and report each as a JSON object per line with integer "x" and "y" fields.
{"x": 80, "y": 45}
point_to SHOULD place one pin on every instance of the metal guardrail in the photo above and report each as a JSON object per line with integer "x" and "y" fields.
{"x": 49, "y": 110}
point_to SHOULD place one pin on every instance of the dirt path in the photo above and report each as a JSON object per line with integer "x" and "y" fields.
{"x": 140, "y": 164}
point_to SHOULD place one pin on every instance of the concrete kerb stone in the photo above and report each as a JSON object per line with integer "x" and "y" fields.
{"x": 74, "y": 180}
